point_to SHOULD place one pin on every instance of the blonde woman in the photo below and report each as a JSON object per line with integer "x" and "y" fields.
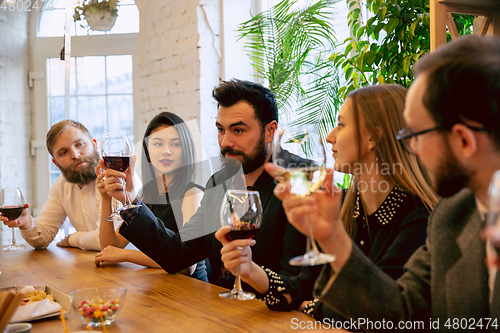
{"x": 385, "y": 209}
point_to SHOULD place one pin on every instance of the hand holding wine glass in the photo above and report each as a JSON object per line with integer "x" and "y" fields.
{"x": 12, "y": 206}
{"x": 491, "y": 233}
{"x": 116, "y": 152}
{"x": 300, "y": 157}
{"x": 242, "y": 210}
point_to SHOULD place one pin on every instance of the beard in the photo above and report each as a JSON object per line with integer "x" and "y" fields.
{"x": 86, "y": 174}
{"x": 450, "y": 176}
{"x": 254, "y": 160}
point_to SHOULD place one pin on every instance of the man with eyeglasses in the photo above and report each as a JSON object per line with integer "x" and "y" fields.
{"x": 453, "y": 117}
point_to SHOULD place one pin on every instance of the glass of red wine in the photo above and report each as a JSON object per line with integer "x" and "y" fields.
{"x": 12, "y": 206}
{"x": 116, "y": 152}
{"x": 242, "y": 210}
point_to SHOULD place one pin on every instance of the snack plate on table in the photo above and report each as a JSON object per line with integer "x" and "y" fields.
{"x": 37, "y": 305}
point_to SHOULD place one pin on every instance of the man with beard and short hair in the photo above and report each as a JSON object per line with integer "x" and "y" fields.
{"x": 73, "y": 195}
{"x": 453, "y": 116}
{"x": 246, "y": 121}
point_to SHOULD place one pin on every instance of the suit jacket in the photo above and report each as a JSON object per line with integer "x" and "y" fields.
{"x": 445, "y": 279}
{"x": 276, "y": 243}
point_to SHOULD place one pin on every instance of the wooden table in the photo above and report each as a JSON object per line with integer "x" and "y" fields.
{"x": 155, "y": 301}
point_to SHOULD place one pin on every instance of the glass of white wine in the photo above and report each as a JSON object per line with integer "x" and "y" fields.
{"x": 493, "y": 216}
{"x": 299, "y": 152}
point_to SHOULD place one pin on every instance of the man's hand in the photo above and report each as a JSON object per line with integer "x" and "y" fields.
{"x": 23, "y": 221}
{"x": 236, "y": 255}
{"x": 64, "y": 242}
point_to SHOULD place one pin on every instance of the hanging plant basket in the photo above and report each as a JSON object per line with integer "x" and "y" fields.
{"x": 100, "y": 14}
{"x": 100, "y": 21}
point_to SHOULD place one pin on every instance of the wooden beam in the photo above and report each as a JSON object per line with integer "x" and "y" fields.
{"x": 438, "y": 24}
{"x": 452, "y": 27}
{"x": 485, "y": 25}
{"x": 468, "y": 10}
{"x": 495, "y": 22}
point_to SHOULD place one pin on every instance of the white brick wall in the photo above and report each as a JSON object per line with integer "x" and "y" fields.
{"x": 174, "y": 36}
{"x": 15, "y": 119}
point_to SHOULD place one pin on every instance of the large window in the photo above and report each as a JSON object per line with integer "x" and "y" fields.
{"x": 100, "y": 95}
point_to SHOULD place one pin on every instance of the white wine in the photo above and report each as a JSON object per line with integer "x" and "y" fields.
{"x": 304, "y": 180}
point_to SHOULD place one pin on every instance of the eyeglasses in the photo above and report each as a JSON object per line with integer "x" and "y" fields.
{"x": 406, "y": 134}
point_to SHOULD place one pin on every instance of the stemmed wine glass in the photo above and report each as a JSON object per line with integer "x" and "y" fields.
{"x": 242, "y": 210}
{"x": 116, "y": 152}
{"x": 12, "y": 206}
{"x": 493, "y": 216}
{"x": 299, "y": 153}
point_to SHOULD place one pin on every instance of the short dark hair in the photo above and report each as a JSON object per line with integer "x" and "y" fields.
{"x": 259, "y": 97}
{"x": 60, "y": 127}
{"x": 179, "y": 184}
{"x": 464, "y": 83}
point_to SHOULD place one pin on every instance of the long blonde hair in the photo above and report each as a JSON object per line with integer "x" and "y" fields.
{"x": 381, "y": 109}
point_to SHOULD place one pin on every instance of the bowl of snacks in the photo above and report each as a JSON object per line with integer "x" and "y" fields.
{"x": 98, "y": 306}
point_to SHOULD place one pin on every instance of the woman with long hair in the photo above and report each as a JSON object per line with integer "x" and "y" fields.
{"x": 168, "y": 167}
{"x": 385, "y": 209}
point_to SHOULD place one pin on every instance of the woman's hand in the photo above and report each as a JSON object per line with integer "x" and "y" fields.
{"x": 112, "y": 181}
{"x": 110, "y": 254}
{"x": 321, "y": 210}
{"x": 101, "y": 186}
{"x": 236, "y": 255}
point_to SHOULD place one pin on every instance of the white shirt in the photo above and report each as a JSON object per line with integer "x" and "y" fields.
{"x": 81, "y": 205}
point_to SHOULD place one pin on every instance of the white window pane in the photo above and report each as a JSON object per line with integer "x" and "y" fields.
{"x": 121, "y": 114}
{"x": 127, "y": 21}
{"x": 56, "y": 109}
{"x": 53, "y": 176}
{"x": 92, "y": 114}
{"x": 52, "y": 23}
{"x": 90, "y": 74}
{"x": 119, "y": 74}
{"x": 55, "y": 77}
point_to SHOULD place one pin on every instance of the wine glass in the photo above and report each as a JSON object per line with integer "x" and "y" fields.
{"x": 116, "y": 152}
{"x": 242, "y": 210}
{"x": 12, "y": 206}
{"x": 493, "y": 216}
{"x": 299, "y": 153}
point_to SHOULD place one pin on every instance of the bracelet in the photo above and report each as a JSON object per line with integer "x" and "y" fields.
{"x": 309, "y": 308}
{"x": 274, "y": 298}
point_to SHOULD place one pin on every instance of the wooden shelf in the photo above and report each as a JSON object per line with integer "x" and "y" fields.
{"x": 441, "y": 10}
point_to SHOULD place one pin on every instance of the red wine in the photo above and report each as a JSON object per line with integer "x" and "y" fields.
{"x": 244, "y": 231}
{"x": 118, "y": 163}
{"x": 11, "y": 212}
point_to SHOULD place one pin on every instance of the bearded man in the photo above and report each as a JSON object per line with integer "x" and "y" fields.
{"x": 73, "y": 195}
{"x": 246, "y": 121}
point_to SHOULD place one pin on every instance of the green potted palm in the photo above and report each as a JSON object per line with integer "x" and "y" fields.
{"x": 290, "y": 45}
{"x": 100, "y": 14}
